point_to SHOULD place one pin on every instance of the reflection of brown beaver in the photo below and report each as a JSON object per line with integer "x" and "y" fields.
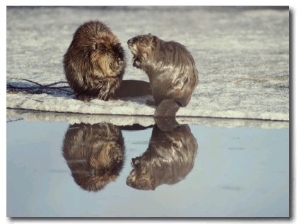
{"x": 94, "y": 63}
{"x": 168, "y": 159}
{"x": 94, "y": 153}
{"x": 171, "y": 70}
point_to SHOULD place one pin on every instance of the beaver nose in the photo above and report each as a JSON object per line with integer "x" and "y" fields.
{"x": 132, "y": 40}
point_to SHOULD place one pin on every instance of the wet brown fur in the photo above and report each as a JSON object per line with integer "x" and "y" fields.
{"x": 168, "y": 159}
{"x": 171, "y": 70}
{"x": 94, "y": 154}
{"x": 94, "y": 63}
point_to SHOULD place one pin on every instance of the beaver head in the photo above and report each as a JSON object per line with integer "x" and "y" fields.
{"x": 141, "y": 47}
{"x": 107, "y": 55}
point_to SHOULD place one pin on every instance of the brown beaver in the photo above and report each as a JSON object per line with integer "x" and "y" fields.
{"x": 94, "y": 153}
{"x": 94, "y": 63}
{"x": 171, "y": 70}
{"x": 168, "y": 160}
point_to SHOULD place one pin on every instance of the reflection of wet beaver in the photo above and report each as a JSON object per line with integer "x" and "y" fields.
{"x": 171, "y": 70}
{"x": 168, "y": 159}
{"x": 94, "y": 63}
{"x": 94, "y": 153}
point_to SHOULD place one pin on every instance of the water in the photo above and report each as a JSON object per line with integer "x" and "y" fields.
{"x": 215, "y": 169}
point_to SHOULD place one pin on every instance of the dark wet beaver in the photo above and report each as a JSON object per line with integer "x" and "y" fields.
{"x": 94, "y": 63}
{"x": 171, "y": 70}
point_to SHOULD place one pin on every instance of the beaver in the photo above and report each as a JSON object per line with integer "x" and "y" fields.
{"x": 169, "y": 159}
{"x": 171, "y": 70}
{"x": 95, "y": 154}
{"x": 94, "y": 63}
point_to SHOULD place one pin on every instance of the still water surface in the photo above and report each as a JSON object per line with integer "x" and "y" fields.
{"x": 55, "y": 169}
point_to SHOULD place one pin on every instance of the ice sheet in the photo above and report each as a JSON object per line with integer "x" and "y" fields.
{"x": 242, "y": 55}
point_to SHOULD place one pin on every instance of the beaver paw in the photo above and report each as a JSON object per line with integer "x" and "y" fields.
{"x": 136, "y": 63}
{"x": 82, "y": 97}
{"x": 103, "y": 95}
{"x": 167, "y": 108}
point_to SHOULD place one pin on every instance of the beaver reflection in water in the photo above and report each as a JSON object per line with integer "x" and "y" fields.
{"x": 94, "y": 63}
{"x": 168, "y": 159}
{"x": 94, "y": 153}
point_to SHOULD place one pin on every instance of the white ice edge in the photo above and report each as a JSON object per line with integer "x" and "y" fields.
{"x": 145, "y": 121}
{"x": 137, "y": 107}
